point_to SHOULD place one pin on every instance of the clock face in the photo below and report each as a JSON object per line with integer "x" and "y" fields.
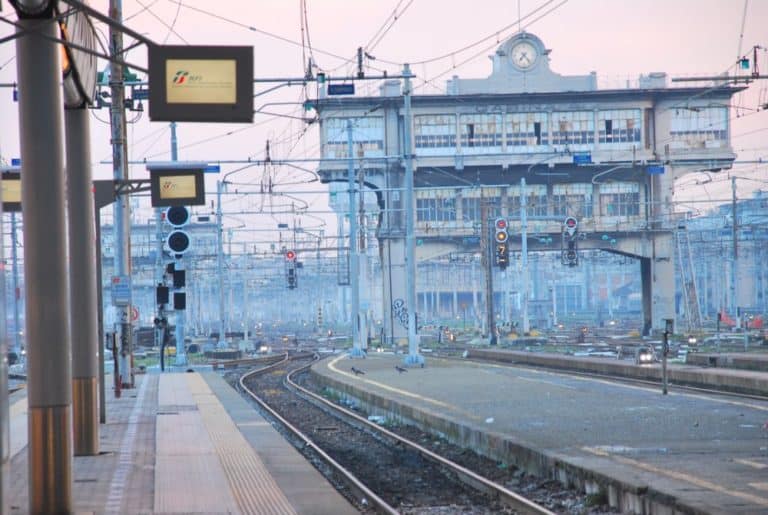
{"x": 524, "y": 55}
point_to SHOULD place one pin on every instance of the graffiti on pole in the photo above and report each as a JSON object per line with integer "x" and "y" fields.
{"x": 400, "y": 312}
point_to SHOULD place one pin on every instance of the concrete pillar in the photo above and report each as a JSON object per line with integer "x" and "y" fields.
{"x": 82, "y": 271}
{"x": 394, "y": 304}
{"x": 49, "y": 389}
{"x": 746, "y": 280}
{"x": 645, "y": 278}
{"x": 662, "y": 286}
{"x": 658, "y": 276}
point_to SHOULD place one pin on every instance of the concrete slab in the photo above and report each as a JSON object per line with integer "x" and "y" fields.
{"x": 171, "y": 446}
{"x": 647, "y": 450}
{"x": 306, "y": 489}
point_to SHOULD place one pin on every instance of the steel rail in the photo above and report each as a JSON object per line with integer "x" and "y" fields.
{"x": 476, "y": 481}
{"x": 362, "y": 492}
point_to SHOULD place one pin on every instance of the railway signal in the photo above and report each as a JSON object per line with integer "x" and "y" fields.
{"x": 290, "y": 269}
{"x": 570, "y": 254}
{"x": 178, "y": 241}
{"x": 501, "y": 238}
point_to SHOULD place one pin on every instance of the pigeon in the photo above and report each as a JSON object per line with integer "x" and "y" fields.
{"x": 357, "y": 372}
{"x": 400, "y": 369}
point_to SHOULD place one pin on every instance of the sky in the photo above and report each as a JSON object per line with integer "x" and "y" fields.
{"x": 618, "y": 39}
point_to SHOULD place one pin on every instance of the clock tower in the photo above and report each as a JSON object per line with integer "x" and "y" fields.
{"x": 521, "y": 65}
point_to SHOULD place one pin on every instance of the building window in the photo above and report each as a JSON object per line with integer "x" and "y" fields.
{"x": 480, "y": 130}
{"x": 536, "y": 200}
{"x": 572, "y": 200}
{"x": 434, "y": 131}
{"x": 619, "y": 126}
{"x": 367, "y": 136}
{"x": 573, "y": 128}
{"x": 620, "y": 199}
{"x": 526, "y": 131}
{"x": 472, "y": 207}
{"x": 694, "y": 126}
{"x": 435, "y": 206}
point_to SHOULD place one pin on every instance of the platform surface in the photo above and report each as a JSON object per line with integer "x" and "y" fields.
{"x": 710, "y": 453}
{"x": 183, "y": 443}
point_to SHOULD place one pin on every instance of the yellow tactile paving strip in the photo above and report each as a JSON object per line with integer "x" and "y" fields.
{"x": 188, "y": 475}
{"x": 253, "y": 488}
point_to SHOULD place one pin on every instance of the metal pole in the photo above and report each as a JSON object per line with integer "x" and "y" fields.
{"x": 524, "y": 253}
{"x": 413, "y": 358}
{"x": 354, "y": 280}
{"x": 5, "y": 423}
{"x": 159, "y": 274}
{"x": 49, "y": 390}
{"x": 222, "y": 344}
{"x": 342, "y": 303}
{"x": 84, "y": 327}
{"x": 486, "y": 240}
{"x": 554, "y": 304}
{"x": 16, "y": 291}
{"x": 181, "y": 354}
{"x": 100, "y": 318}
{"x": 122, "y": 207}
{"x": 734, "y": 261}
{"x": 664, "y": 352}
{"x": 717, "y": 334}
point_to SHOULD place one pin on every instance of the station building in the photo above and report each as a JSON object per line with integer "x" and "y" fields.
{"x": 526, "y": 143}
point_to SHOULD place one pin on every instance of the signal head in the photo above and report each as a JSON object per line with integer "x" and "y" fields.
{"x": 178, "y": 242}
{"x": 177, "y": 216}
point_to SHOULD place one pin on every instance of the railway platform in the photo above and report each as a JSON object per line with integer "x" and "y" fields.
{"x": 704, "y": 374}
{"x": 686, "y": 452}
{"x": 183, "y": 443}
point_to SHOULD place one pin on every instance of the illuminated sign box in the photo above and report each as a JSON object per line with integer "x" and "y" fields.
{"x": 201, "y": 83}
{"x": 11, "y": 192}
{"x": 174, "y": 187}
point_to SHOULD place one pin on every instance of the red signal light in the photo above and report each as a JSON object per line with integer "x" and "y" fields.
{"x": 501, "y": 223}
{"x": 290, "y": 255}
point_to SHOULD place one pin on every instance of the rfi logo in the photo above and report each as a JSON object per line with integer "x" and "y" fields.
{"x": 183, "y": 77}
{"x": 180, "y": 77}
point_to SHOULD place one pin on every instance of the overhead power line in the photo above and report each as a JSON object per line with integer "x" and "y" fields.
{"x": 495, "y": 34}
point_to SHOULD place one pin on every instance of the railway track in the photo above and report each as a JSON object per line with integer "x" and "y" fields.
{"x": 380, "y": 470}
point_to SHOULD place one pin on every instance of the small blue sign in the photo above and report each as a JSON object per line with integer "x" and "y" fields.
{"x": 655, "y": 170}
{"x": 583, "y": 158}
{"x": 212, "y": 169}
{"x": 471, "y": 241}
{"x": 140, "y": 94}
{"x": 15, "y": 161}
{"x": 341, "y": 89}
{"x": 121, "y": 290}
